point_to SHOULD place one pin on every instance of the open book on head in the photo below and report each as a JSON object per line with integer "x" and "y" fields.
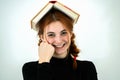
{"x": 57, "y": 5}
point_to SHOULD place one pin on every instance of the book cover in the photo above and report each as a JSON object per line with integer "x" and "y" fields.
{"x": 49, "y": 6}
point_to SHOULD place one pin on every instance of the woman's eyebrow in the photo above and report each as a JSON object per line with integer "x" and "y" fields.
{"x": 50, "y": 33}
{"x": 63, "y": 30}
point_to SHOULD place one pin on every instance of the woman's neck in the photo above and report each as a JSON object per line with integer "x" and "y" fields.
{"x": 63, "y": 55}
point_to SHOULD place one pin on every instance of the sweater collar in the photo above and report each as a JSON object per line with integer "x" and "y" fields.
{"x": 58, "y": 61}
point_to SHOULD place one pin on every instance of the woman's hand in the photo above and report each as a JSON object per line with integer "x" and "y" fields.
{"x": 45, "y": 51}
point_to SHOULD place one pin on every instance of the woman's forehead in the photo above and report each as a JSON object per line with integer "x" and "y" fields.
{"x": 55, "y": 27}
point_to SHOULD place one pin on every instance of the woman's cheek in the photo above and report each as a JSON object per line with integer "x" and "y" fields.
{"x": 50, "y": 41}
{"x": 66, "y": 38}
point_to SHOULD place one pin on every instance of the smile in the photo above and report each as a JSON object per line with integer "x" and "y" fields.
{"x": 59, "y": 46}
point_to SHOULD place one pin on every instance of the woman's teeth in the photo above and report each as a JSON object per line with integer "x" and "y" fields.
{"x": 59, "y": 46}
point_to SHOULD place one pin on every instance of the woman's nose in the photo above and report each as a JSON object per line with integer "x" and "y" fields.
{"x": 58, "y": 39}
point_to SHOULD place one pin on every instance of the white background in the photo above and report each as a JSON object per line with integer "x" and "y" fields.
{"x": 97, "y": 35}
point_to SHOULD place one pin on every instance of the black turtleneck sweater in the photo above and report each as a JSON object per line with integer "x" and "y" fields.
{"x": 59, "y": 69}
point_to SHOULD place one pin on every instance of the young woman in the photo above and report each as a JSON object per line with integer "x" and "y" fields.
{"x": 57, "y": 52}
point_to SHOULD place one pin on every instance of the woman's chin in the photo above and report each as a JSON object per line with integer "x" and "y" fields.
{"x": 61, "y": 53}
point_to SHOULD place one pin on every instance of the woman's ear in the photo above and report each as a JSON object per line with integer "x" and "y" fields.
{"x": 40, "y": 40}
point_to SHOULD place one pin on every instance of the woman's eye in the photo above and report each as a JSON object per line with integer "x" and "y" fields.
{"x": 63, "y": 33}
{"x": 51, "y": 35}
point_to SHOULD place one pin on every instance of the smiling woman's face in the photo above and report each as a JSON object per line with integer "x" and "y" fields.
{"x": 58, "y": 35}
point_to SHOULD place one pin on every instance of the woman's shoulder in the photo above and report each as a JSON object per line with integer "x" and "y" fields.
{"x": 34, "y": 65}
{"x": 87, "y": 68}
{"x": 84, "y": 64}
{"x": 31, "y": 64}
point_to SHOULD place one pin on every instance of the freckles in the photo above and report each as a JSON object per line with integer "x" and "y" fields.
{"x": 50, "y": 41}
{"x": 67, "y": 37}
